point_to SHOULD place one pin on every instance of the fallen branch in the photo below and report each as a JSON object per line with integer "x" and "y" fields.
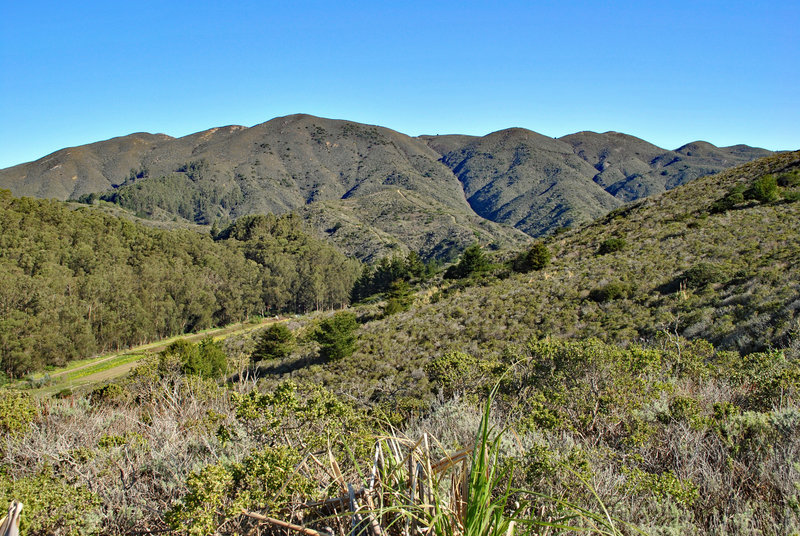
{"x": 283, "y": 524}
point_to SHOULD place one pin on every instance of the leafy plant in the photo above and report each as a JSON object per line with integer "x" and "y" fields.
{"x": 17, "y": 410}
{"x": 336, "y": 336}
{"x": 763, "y": 189}
{"x": 611, "y": 245}
{"x": 472, "y": 261}
{"x": 52, "y": 504}
{"x": 275, "y": 342}
{"x": 535, "y": 258}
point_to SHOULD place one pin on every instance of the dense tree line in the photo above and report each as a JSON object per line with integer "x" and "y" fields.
{"x": 74, "y": 282}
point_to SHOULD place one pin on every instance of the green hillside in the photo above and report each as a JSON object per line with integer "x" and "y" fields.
{"x": 646, "y": 366}
{"x": 671, "y": 265}
{"x": 540, "y": 184}
{"x": 336, "y": 171}
{"x": 74, "y": 282}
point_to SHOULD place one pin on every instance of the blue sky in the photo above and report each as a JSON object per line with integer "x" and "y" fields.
{"x": 669, "y": 72}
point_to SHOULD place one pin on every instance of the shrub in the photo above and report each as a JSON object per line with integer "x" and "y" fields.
{"x": 535, "y": 258}
{"x": 663, "y": 486}
{"x": 398, "y": 298}
{"x": 702, "y": 274}
{"x": 52, "y": 505}
{"x": 459, "y": 372}
{"x": 611, "y": 291}
{"x": 264, "y": 480}
{"x": 611, "y": 245}
{"x": 472, "y": 261}
{"x": 336, "y": 336}
{"x": 764, "y": 190}
{"x": 731, "y": 199}
{"x": 789, "y": 179}
{"x": 17, "y": 411}
{"x": 206, "y": 359}
{"x": 275, "y": 342}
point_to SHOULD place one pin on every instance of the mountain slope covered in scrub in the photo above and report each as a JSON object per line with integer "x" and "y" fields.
{"x": 458, "y": 188}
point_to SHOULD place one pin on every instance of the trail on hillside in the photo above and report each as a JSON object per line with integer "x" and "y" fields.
{"x": 124, "y": 368}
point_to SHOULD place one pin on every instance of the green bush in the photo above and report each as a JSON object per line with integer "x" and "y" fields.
{"x": 17, "y": 411}
{"x": 459, "y": 372}
{"x": 336, "y": 336}
{"x": 703, "y": 274}
{"x": 265, "y": 480}
{"x": 789, "y": 179}
{"x": 611, "y": 245}
{"x": 734, "y": 197}
{"x": 610, "y": 292}
{"x": 206, "y": 359}
{"x": 663, "y": 486}
{"x": 535, "y": 258}
{"x": 275, "y": 342}
{"x": 764, "y": 190}
{"x": 399, "y": 298}
{"x": 52, "y": 505}
{"x": 472, "y": 261}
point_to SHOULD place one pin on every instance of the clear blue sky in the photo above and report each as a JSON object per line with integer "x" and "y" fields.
{"x": 669, "y": 72}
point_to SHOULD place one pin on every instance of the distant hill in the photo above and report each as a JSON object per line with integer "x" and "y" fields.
{"x": 383, "y": 189}
{"x": 538, "y": 184}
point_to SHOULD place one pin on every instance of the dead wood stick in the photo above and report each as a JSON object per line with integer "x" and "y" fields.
{"x": 329, "y": 502}
{"x": 282, "y": 524}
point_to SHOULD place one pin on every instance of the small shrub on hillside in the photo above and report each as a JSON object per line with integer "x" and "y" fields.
{"x": 789, "y": 179}
{"x": 459, "y": 372}
{"x": 52, "y": 505}
{"x": 206, "y": 359}
{"x": 17, "y": 411}
{"x": 275, "y": 342}
{"x": 535, "y": 258}
{"x": 663, "y": 486}
{"x": 730, "y": 200}
{"x": 611, "y": 245}
{"x": 610, "y": 292}
{"x": 399, "y": 298}
{"x": 703, "y": 274}
{"x": 472, "y": 261}
{"x": 772, "y": 379}
{"x": 111, "y": 394}
{"x": 764, "y": 190}
{"x": 265, "y": 480}
{"x": 337, "y": 336}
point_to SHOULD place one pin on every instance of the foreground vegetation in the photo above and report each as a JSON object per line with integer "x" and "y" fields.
{"x": 639, "y": 375}
{"x": 676, "y": 439}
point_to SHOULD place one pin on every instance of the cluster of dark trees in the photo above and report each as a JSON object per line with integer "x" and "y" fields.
{"x": 74, "y": 282}
{"x": 379, "y": 278}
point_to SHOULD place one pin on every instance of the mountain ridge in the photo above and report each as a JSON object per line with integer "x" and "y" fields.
{"x": 514, "y": 177}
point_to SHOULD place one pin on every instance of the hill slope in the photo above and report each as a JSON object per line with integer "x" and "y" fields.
{"x": 515, "y": 177}
{"x": 672, "y": 265}
{"x": 539, "y": 184}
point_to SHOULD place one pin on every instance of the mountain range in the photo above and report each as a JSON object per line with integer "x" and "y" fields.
{"x": 369, "y": 189}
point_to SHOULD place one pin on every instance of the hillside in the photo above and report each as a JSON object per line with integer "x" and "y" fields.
{"x": 612, "y": 408}
{"x": 335, "y": 171}
{"x": 74, "y": 282}
{"x": 671, "y": 266}
{"x": 539, "y": 184}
